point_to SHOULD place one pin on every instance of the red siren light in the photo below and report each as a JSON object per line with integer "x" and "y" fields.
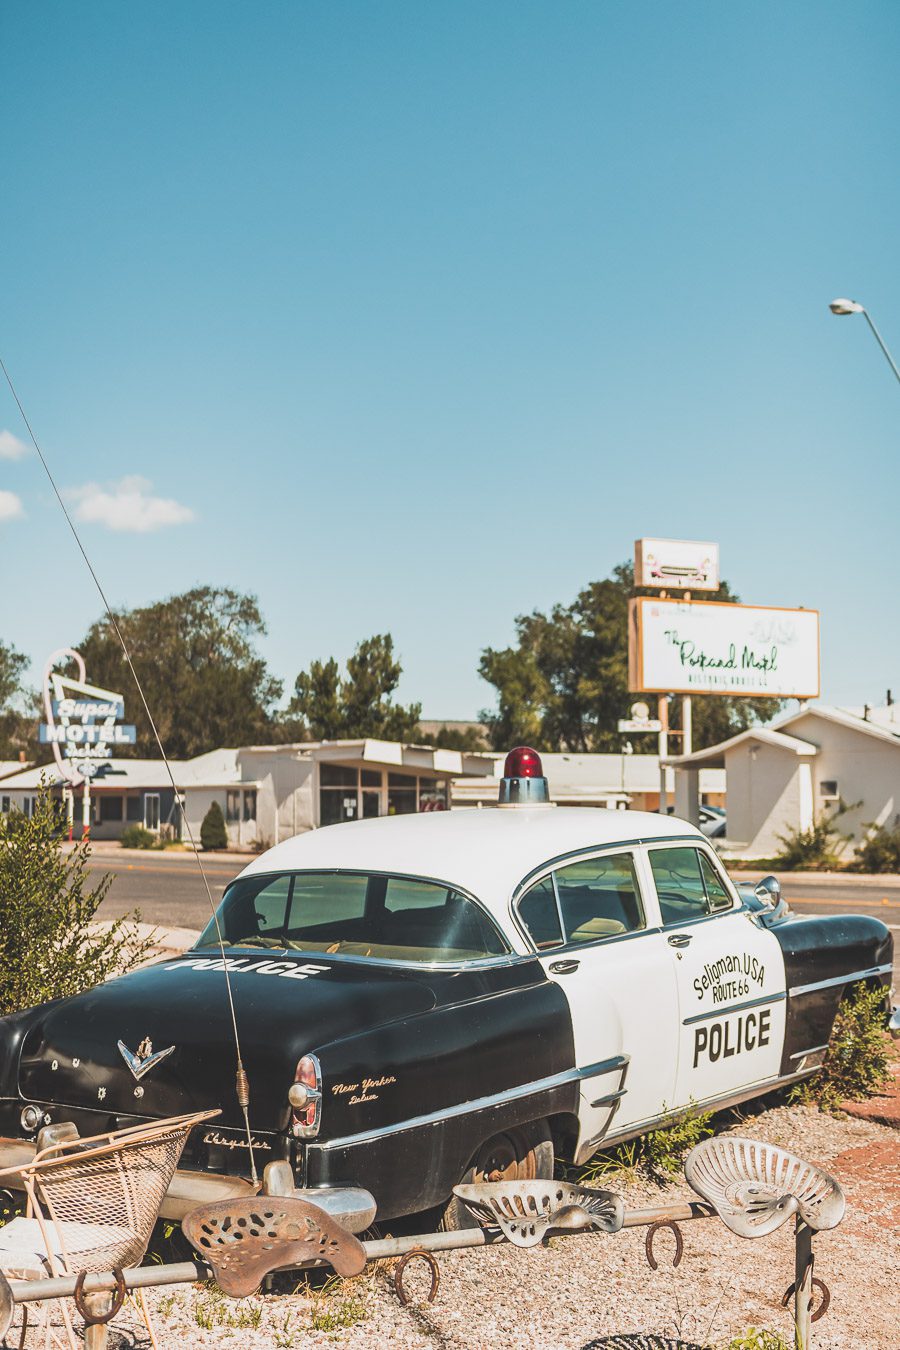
{"x": 523, "y": 762}
{"x": 523, "y": 782}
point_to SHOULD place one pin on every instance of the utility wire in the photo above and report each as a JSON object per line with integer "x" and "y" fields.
{"x": 241, "y": 1082}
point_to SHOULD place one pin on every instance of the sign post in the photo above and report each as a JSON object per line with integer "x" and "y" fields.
{"x": 84, "y": 724}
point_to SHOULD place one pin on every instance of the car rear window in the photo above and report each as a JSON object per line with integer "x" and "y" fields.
{"x": 388, "y": 918}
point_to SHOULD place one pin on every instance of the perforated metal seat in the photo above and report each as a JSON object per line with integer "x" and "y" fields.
{"x": 526, "y": 1210}
{"x": 755, "y": 1188}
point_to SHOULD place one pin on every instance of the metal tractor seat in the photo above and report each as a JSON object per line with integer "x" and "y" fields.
{"x": 527, "y": 1210}
{"x": 755, "y": 1188}
{"x": 248, "y": 1237}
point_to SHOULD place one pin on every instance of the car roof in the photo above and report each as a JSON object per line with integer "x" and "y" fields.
{"x": 486, "y": 852}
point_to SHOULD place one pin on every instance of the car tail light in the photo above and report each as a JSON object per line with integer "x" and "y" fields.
{"x": 305, "y": 1097}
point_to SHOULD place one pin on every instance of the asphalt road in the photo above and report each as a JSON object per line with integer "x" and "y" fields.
{"x": 168, "y": 890}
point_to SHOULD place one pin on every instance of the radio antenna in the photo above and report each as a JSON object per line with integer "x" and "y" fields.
{"x": 242, "y": 1084}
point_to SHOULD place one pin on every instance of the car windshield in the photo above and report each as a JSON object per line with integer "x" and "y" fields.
{"x": 387, "y": 918}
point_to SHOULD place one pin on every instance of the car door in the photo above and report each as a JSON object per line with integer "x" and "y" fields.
{"x": 729, "y": 974}
{"x": 588, "y": 921}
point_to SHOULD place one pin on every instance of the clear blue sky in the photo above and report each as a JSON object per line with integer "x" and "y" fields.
{"x": 415, "y": 315}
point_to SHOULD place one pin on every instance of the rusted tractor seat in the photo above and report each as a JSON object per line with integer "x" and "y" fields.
{"x": 755, "y": 1188}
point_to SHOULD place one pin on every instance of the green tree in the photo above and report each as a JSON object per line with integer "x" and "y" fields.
{"x": 195, "y": 656}
{"x": 453, "y": 738}
{"x": 564, "y": 685}
{"x": 213, "y": 833}
{"x": 18, "y": 706}
{"x": 49, "y": 946}
{"x": 327, "y": 705}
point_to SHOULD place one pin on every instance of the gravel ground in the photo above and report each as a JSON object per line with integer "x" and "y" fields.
{"x": 579, "y": 1288}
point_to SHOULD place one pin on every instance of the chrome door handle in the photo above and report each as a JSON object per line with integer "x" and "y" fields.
{"x": 564, "y": 967}
{"x": 679, "y": 940}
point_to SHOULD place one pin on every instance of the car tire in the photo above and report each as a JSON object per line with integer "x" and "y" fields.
{"x": 522, "y": 1153}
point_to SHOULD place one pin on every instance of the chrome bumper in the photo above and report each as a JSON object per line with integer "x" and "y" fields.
{"x": 351, "y": 1206}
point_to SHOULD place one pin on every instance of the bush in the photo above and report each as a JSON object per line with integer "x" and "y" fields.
{"x": 856, "y": 1062}
{"x": 879, "y": 851}
{"x": 135, "y": 836}
{"x": 754, "y": 1339}
{"x": 213, "y": 833}
{"x": 48, "y": 946}
{"x": 815, "y": 849}
{"x": 659, "y": 1154}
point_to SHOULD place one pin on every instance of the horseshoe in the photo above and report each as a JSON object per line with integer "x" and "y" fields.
{"x": 98, "y": 1319}
{"x": 651, "y": 1234}
{"x": 400, "y": 1268}
{"x": 822, "y": 1309}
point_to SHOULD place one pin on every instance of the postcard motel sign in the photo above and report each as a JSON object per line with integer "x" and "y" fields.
{"x": 84, "y": 723}
{"x": 676, "y": 564}
{"x": 706, "y": 647}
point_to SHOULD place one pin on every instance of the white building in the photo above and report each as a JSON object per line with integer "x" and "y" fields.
{"x": 785, "y": 776}
{"x": 623, "y": 781}
{"x": 267, "y": 792}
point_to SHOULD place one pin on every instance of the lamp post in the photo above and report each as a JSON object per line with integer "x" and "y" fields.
{"x": 842, "y": 307}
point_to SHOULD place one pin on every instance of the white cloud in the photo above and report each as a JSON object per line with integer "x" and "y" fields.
{"x": 128, "y": 506}
{"x": 10, "y": 506}
{"x": 11, "y": 447}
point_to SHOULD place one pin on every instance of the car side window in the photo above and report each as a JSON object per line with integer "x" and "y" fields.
{"x": 538, "y": 912}
{"x": 716, "y": 893}
{"x": 599, "y": 898}
{"x": 686, "y": 884}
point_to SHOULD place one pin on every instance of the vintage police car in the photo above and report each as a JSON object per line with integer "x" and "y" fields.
{"x": 430, "y": 998}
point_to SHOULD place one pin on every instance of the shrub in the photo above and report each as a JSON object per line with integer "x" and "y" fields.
{"x": 659, "y": 1153}
{"x": 754, "y": 1339}
{"x": 48, "y": 947}
{"x": 879, "y": 851}
{"x": 213, "y": 833}
{"x": 856, "y": 1062}
{"x": 815, "y": 849}
{"x": 135, "y": 836}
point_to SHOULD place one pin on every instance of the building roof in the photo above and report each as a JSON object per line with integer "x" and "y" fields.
{"x": 218, "y": 768}
{"x": 584, "y": 778}
{"x": 370, "y": 750}
{"x": 714, "y": 755}
{"x": 882, "y": 723}
{"x": 11, "y": 766}
{"x": 484, "y": 852}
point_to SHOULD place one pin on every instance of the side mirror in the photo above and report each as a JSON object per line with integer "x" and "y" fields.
{"x": 769, "y": 889}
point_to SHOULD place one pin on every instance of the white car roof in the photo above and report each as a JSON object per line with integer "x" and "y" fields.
{"x": 484, "y": 852}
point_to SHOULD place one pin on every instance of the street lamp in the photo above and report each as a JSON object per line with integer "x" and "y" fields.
{"x": 842, "y": 306}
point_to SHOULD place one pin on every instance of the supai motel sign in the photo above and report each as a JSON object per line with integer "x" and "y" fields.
{"x": 84, "y": 723}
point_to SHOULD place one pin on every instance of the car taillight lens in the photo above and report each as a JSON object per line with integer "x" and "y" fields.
{"x": 305, "y": 1098}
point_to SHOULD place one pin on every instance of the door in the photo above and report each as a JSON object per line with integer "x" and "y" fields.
{"x": 729, "y": 973}
{"x": 588, "y": 922}
{"x": 151, "y": 811}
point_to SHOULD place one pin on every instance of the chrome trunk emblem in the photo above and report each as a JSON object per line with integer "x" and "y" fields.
{"x": 145, "y": 1060}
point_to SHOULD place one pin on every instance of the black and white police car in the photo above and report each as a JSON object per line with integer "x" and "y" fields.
{"x": 432, "y": 998}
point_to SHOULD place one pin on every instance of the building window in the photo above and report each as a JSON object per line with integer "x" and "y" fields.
{"x": 6, "y": 806}
{"x": 133, "y": 808}
{"x": 432, "y": 794}
{"x": 828, "y": 790}
{"x": 232, "y": 806}
{"x": 401, "y": 794}
{"x": 151, "y": 811}
{"x": 250, "y": 803}
{"x": 110, "y": 809}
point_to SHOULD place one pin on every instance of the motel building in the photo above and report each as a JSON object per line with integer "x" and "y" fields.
{"x": 270, "y": 792}
{"x": 267, "y": 792}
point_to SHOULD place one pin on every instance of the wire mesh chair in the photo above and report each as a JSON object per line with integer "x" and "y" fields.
{"x": 92, "y": 1203}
